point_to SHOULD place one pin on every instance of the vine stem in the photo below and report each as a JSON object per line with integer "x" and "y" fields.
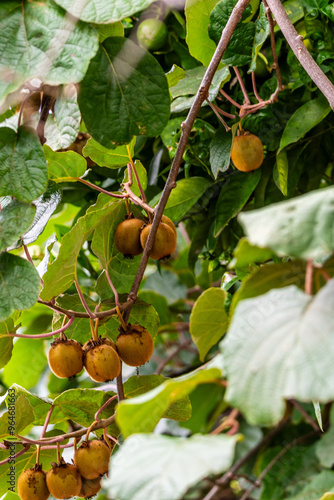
{"x": 306, "y": 416}
{"x": 103, "y": 407}
{"x": 304, "y": 57}
{"x": 75, "y": 314}
{"x": 18, "y": 454}
{"x": 118, "y": 305}
{"x": 47, "y": 420}
{"x": 41, "y": 335}
{"x": 82, "y": 298}
{"x": 309, "y": 277}
{"x": 134, "y": 198}
{"x": 97, "y": 188}
{"x": 242, "y": 85}
{"x": 142, "y": 194}
{"x": 200, "y": 97}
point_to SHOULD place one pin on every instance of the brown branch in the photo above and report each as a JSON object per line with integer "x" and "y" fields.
{"x": 241, "y": 83}
{"x": 304, "y": 57}
{"x": 255, "y": 88}
{"x": 201, "y": 95}
{"x": 104, "y": 314}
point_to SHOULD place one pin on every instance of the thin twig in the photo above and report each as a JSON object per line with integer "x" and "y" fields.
{"x": 70, "y": 313}
{"x": 306, "y": 416}
{"x": 309, "y": 277}
{"x": 119, "y": 384}
{"x": 142, "y": 194}
{"x": 255, "y": 88}
{"x": 47, "y": 103}
{"x": 242, "y": 85}
{"x": 93, "y": 186}
{"x": 41, "y": 335}
{"x": 82, "y": 298}
{"x": 26, "y": 251}
{"x": 165, "y": 362}
{"x": 230, "y": 98}
{"x": 103, "y": 407}
{"x": 18, "y": 454}
{"x": 217, "y": 111}
{"x": 113, "y": 288}
{"x": 47, "y": 420}
{"x": 274, "y": 53}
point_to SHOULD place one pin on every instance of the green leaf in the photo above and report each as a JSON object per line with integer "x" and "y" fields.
{"x": 324, "y": 449}
{"x": 261, "y": 34}
{"x": 105, "y": 157}
{"x": 316, "y": 487}
{"x": 141, "y": 414}
{"x": 27, "y": 363}
{"x": 174, "y": 76}
{"x": 108, "y": 30}
{"x": 45, "y": 207}
{"x": 66, "y": 166}
{"x": 166, "y": 283}
{"x": 40, "y": 405}
{"x": 81, "y": 405}
{"x": 185, "y": 90}
{"x": 80, "y": 329}
{"x": 270, "y": 276}
{"x": 18, "y": 416}
{"x": 240, "y": 47}
{"x": 133, "y": 94}
{"x": 62, "y": 127}
{"x": 33, "y": 28}
{"x": 183, "y": 197}
{"x": 95, "y": 12}
{"x": 6, "y": 343}
{"x": 246, "y": 254}
{"x": 62, "y": 272}
{"x": 208, "y": 320}
{"x": 23, "y": 168}
{"x": 20, "y": 284}
{"x": 281, "y": 170}
{"x": 168, "y": 465}
{"x": 233, "y": 196}
{"x": 15, "y": 219}
{"x": 135, "y": 386}
{"x": 220, "y": 151}
{"x": 303, "y": 120}
{"x": 198, "y": 17}
{"x": 281, "y": 343}
{"x": 317, "y": 411}
{"x": 301, "y": 227}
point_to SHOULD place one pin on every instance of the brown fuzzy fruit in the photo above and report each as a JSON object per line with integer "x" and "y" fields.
{"x": 101, "y": 360}
{"x": 65, "y": 358}
{"x": 135, "y": 346}
{"x": 64, "y": 481}
{"x": 90, "y": 487}
{"x": 127, "y": 237}
{"x": 247, "y": 152}
{"x": 92, "y": 459}
{"x": 165, "y": 241}
{"x": 166, "y": 220}
{"x": 32, "y": 484}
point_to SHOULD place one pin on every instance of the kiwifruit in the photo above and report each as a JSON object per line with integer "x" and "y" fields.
{"x": 127, "y": 237}
{"x": 65, "y": 358}
{"x": 247, "y": 152}
{"x": 165, "y": 241}
{"x": 101, "y": 360}
{"x": 169, "y": 222}
{"x": 90, "y": 487}
{"x": 64, "y": 480}
{"x": 92, "y": 458}
{"x": 31, "y": 484}
{"x": 135, "y": 345}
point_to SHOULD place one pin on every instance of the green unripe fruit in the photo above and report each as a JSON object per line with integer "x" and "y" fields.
{"x": 31, "y": 484}
{"x": 152, "y": 34}
{"x": 92, "y": 459}
{"x": 64, "y": 481}
{"x": 65, "y": 358}
{"x": 165, "y": 241}
{"x": 135, "y": 346}
{"x": 127, "y": 237}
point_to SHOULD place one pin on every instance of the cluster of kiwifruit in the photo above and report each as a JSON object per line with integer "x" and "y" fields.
{"x": 131, "y": 236}
{"x": 101, "y": 357}
{"x": 64, "y": 480}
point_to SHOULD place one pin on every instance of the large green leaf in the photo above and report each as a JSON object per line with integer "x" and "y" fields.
{"x": 105, "y": 157}
{"x": 23, "y": 168}
{"x": 135, "y": 386}
{"x": 62, "y": 127}
{"x": 220, "y": 151}
{"x": 301, "y": 227}
{"x": 40, "y": 405}
{"x": 198, "y": 17}
{"x": 233, "y": 196}
{"x": 246, "y": 254}
{"x": 18, "y": 416}
{"x": 282, "y": 344}
{"x": 93, "y": 11}
{"x": 240, "y": 47}
{"x": 141, "y": 414}
{"x": 62, "y": 272}
{"x": 183, "y": 197}
{"x": 20, "y": 284}
{"x": 15, "y": 219}
{"x": 168, "y": 465}
{"x": 27, "y": 363}
{"x": 6, "y": 343}
{"x": 208, "y": 319}
{"x": 304, "y": 119}
{"x": 44, "y": 43}
{"x": 319, "y": 484}
{"x": 66, "y": 166}
{"x": 133, "y": 96}
{"x": 281, "y": 170}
